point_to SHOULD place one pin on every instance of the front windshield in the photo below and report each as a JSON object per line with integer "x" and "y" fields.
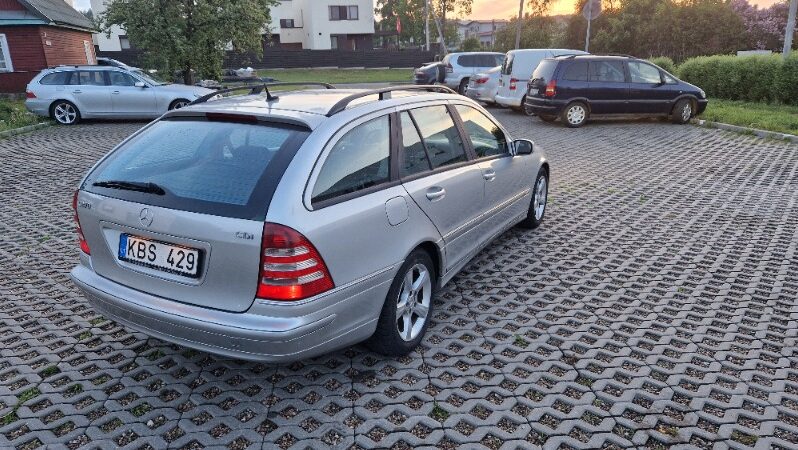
{"x": 149, "y": 78}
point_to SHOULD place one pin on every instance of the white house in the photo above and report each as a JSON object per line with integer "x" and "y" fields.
{"x": 484, "y": 30}
{"x": 301, "y": 24}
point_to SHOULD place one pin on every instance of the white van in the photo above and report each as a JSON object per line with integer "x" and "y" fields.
{"x": 516, "y": 70}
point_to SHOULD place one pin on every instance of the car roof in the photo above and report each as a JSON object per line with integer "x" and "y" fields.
{"x": 308, "y": 107}
{"x": 85, "y": 67}
{"x": 596, "y": 57}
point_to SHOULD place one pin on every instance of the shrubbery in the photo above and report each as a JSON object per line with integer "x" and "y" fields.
{"x": 751, "y": 78}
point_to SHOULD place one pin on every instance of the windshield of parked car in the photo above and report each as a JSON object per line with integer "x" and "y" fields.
{"x": 212, "y": 167}
{"x": 149, "y": 78}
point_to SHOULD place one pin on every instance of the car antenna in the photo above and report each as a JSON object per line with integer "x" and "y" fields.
{"x": 261, "y": 88}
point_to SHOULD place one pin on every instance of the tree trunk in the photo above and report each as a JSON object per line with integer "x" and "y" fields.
{"x": 188, "y": 79}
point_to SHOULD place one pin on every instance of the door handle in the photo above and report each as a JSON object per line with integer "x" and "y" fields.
{"x": 489, "y": 175}
{"x": 435, "y": 193}
{"x": 115, "y": 92}
{"x": 77, "y": 92}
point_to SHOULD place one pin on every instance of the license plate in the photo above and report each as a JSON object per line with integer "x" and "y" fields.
{"x": 157, "y": 255}
{"x": 533, "y": 91}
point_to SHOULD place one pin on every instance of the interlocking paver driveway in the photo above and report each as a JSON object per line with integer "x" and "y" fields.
{"x": 656, "y": 306}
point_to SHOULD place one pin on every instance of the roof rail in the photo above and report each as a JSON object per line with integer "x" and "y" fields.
{"x": 344, "y": 102}
{"x": 614, "y": 54}
{"x": 257, "y": 89}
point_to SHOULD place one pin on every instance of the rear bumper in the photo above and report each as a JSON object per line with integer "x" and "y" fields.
{"x": 266, "y": 332}
{"x": 481, "y": 94}
{"x": 508, "y": 101}
{"x": 543, "y": 106}
{"x": 38, "y": 106}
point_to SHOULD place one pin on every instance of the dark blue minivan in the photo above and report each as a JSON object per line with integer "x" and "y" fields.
{"x": 576, "y": 87}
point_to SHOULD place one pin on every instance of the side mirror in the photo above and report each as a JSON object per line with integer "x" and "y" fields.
{"x": 523, "y": 147}
{"x": 139, "y": 84}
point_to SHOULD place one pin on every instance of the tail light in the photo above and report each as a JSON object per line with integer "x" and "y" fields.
{"x": 84, "y": 246}
{"x": 513, "y": 83}
{"x": 29, "y": 94}
{"x": 291, "y": 268}
{"x": 551, "y": 89}
{"x": 449, "y": 68}
{"x": 482, "y": 80}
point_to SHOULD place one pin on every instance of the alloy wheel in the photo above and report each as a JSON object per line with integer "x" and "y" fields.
{"x": 180, "y": 104}
{"x": 65, "y": 113}
{"x": 541, "y": 192}
{"x": 413, "y": 303}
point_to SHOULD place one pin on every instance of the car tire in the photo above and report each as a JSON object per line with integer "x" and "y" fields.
{"x": 463, "y": 86}
{"x": 574, "y": 115}
{"x": 547, "y": 117}
{"x": 396, "y": 334}
{"x": 682, "y": 112}
{"x": 524, "y": 110}
{"x": 65, "y": 112}
{"x": 537, "y": 206}
{"x": 179, "y": 103}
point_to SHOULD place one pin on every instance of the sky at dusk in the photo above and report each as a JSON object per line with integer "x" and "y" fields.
{"x": 504, "y": 9}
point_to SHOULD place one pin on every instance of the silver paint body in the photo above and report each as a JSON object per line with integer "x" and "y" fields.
{"x": 110, "y": 102}
{"x": 459, "y": 72}
{"x": 485, "y": 92}
{"x": 363, "y": 241}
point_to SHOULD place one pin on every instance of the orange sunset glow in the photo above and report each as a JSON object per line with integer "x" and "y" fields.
{"x": 504, "y": 9}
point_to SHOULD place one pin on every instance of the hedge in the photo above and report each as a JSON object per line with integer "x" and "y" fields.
{"x": 750, "y": 78}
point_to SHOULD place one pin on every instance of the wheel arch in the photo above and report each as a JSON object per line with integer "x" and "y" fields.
{"x": 581, "y": 100}
{"x": 53, "y": 103}
{"x": 434, "y": 253}
{"x": 693, "y": 102}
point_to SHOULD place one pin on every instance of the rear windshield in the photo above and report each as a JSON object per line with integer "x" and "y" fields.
{"x": 545, "y": 70}
{"x": 223, "y": 168}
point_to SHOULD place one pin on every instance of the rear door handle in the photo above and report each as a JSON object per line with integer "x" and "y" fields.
{"x": 115, "y": 92}
{"x": 435, "y": 193}
{"x": 77, "y": 92}
{"x": 489, "y": 175}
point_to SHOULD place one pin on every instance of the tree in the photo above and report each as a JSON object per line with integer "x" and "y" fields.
{"x": 471, "y": 44}
{"x": 190, "y": 34}
{"x": 409, "y": 12}
{"x": 442, "y": 8}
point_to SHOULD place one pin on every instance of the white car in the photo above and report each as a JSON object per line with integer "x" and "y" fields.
{"x": 460, "y": 67}
{"x": 484, "y": 86}
{"x": 517, "y": 69}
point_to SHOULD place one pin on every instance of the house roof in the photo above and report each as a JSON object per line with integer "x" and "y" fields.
{"x": 48, "y": 12}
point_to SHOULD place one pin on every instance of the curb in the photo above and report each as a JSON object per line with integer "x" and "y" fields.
{"x": 22, "y": 130}
{"x": 745, "y": 130}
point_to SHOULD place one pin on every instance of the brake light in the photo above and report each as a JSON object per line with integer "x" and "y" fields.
{"x": 84, "y": 246}
{"x": 449, "y": 68}
{"x": 291, "y": 268}
{"x": 482, "y": 80}
{"x": 551, "y": 89}
{"x": 29, "y": 94}
{"x": 513, "y": 83}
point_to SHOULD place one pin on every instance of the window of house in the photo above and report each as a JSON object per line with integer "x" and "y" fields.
{"x": 334, "y": 42}
{"x": 344, "y": 12}
{"x": 359, "y": 160}
{"x": 5, "y": 56}
{"x": 124, "y": 42}
{"x": 287, "y": 23}
{"x": 353, "y": 13}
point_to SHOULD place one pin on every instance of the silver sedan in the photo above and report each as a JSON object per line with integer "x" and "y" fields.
{"x": 484, "y": 86}
{"x": 70, "y": 93}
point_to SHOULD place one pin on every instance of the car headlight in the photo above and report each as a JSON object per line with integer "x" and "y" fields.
{"x": 702, "y": 93}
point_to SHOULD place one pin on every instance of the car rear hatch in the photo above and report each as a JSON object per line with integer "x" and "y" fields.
{"x": 542, "y": 79}
{"x": 178, "y": 210}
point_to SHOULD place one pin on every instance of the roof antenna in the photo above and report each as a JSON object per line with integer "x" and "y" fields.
{"x": 261, "y": 88}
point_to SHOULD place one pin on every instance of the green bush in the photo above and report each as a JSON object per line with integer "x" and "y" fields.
{"x": 765, "y": 78}
{"x": 665, "y": 63}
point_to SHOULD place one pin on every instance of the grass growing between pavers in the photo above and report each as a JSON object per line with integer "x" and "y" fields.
{"x": 778, "y": 118}
{"x": 334, "y": 76}
{"x": 14, "y": 115}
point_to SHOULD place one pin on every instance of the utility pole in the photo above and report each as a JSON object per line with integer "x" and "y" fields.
{"x": 426, "y": 23}
{"x": 520, "y": 21}
{"x": 790, "y": 31}
{"x": 589, "y": 19}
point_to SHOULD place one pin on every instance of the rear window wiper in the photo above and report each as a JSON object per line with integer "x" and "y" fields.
{"x": 149, "y": 188}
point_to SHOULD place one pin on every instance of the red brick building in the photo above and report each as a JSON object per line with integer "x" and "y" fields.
{"x": 36, "y": 34}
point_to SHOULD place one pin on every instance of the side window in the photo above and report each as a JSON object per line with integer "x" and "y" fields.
{"x": 643, "y": 73}
{"x": 486, "y": 137}
{"x": 121, "y": 79}
{"x": 359, "y": 160}
{"x": 414, "y": 155}
{"x": 576, "y": 71}
{"x": 466, "y": 60}
{"x": 57, "y": 78}
{"x": 607, "y": 71}
{"x": 440, "y": 135}
{"x": 90, "y": 78}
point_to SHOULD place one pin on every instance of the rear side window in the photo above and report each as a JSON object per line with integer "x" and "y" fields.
{"x": 607, "y": 71}
{"x": 414, "y": 155}
{"x": 359, "y": 160}
{"x": 57, "y": 78}
{"x": 576, "y": 71}
{"x": 466, "y": 60}
{"x": 486, "y": 137}
{"x": 90, "y": 78}
{"x": 545, "y": 70}
{"x": 440, "y": 135}
{"x": 223, "y": 168}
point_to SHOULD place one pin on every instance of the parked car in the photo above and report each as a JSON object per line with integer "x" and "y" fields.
{"x": 277, "y": 229}
{"x": 575, "y": 88}
{"x": 70, "y": 93}
{"x": 484, "y": 86}
{"x": 103, "y": 61}
{"x": 516, "y": 71}
{"x": 429, "y": 73}
{"x": 460, "y": 67}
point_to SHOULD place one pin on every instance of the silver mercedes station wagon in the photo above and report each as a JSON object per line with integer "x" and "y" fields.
{"x": 280, "y": 226}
